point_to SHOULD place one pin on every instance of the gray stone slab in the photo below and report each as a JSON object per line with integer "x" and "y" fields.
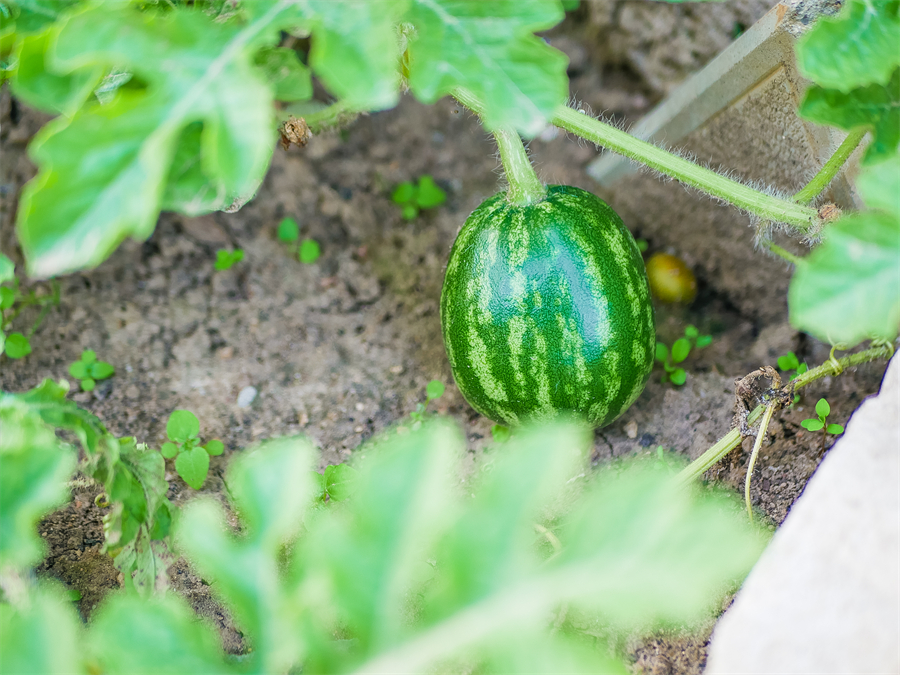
{"x": 825, "y": 596}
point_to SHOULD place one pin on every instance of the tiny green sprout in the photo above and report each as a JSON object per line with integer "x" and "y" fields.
{"x": 87, "y": 370}
{"x": 16, "y": 346}
{"x": 500, "y": 433}
{"x": 335, "y": 484}
{"x": 823, "y": 409}
{"x": 642, "y": 245}
{"x": 13, "y": 300}
{"x": 680, "y": 350}
{"x": 309, "y": 251}
{"x": 226, "y": 259}
{"x": 288, "y": 230}
{"x": 433, "y": 390}
{"x": 191, "y": 458}
{"x": 413, "y": 198}
{"x": 788, "y": 363}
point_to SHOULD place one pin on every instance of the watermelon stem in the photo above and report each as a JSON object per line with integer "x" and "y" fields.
{"x": 732, "y": 439}
{"x": 525, "y": 188}
{"x": 830, "y": 169}
{"x": 765, "y": 206}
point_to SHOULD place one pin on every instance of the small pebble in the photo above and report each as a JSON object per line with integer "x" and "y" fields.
{"x": 631, "y": 429}
{"x": 246, "y": 396}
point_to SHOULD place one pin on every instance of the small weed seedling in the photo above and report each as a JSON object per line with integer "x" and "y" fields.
{"x": 191, "y": 458}
{"x": 413, "y": 198}
{"x": 87, "y": 370}
{"x": 16, "y": 345}
{"x": 788, "y": 363}
{"x": 433, "y": 390}
{"x": 679, "y": 352}
{"x": 226, "y": 259}
{"x": 308, "y": 250}
{"x": 821, "y": 422}
{"x": 500, "y": 433}
{"x": 335, "y": 484}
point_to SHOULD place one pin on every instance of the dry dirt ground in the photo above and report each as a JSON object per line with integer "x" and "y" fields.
{"x": 342, "y": 348}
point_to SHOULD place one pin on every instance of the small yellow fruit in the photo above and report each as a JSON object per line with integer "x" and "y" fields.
{"x": 670, "y": 279}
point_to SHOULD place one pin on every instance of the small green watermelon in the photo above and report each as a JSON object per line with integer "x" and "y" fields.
{"x": 546, "y": 309}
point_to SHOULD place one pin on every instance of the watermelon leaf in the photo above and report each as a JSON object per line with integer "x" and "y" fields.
{"x": 848, "y": 289}
{"x": 875, "y": 106}
{"x": 855, "y": 49}
{"x": 490, "y": 50}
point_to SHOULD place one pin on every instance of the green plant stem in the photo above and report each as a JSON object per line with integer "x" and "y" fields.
{"x": 335, "y": 116}
{"x": 781, "y": 253}
{"x": 760, "y": 438}
{"x": 525, "y": 188}
{"x": 827, "y": 173}
{"x": 744, "y": 197}
{"x": 732, "y": 439}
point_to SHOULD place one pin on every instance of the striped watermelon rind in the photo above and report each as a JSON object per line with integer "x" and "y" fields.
{"x": 546, "y": 309}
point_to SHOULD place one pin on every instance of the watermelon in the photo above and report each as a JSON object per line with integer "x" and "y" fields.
{"x": 546, "y": 309}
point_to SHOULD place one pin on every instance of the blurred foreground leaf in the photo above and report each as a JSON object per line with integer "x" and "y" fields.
{"x": 410, "y": 573}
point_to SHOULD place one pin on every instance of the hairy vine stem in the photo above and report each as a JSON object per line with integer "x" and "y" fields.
{"x": 753, "y": 201}
{"x": 525, "y": 187}
{"x": 732, "y": 439}
{"x": 827, "y": 173}
{"x": 781, "y": 253}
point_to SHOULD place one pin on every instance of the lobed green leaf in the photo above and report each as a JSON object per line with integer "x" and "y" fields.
{"x": 160, "y": 635}
{"x": 103, "y": 174}
{"x": 879, "y": 185}
{"x": 43, "y": 635}
{"x": 354, "y": 49}
{"x": 855, "y": 49}
{"x": 875, "y": 106}
{"x": 340, "y": 481}
{"x": 490, "y": 50}
{"x": 40, "y": 87}
{"x": 282, "y": 69}
{"x": 7, "y": 269}
{"x": 848, "y": 289}
{"x": 34, "y": 466}
{"x": 271, "y": 487}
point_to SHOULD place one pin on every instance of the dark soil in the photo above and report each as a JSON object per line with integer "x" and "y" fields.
{"x": 342, "y": 348}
